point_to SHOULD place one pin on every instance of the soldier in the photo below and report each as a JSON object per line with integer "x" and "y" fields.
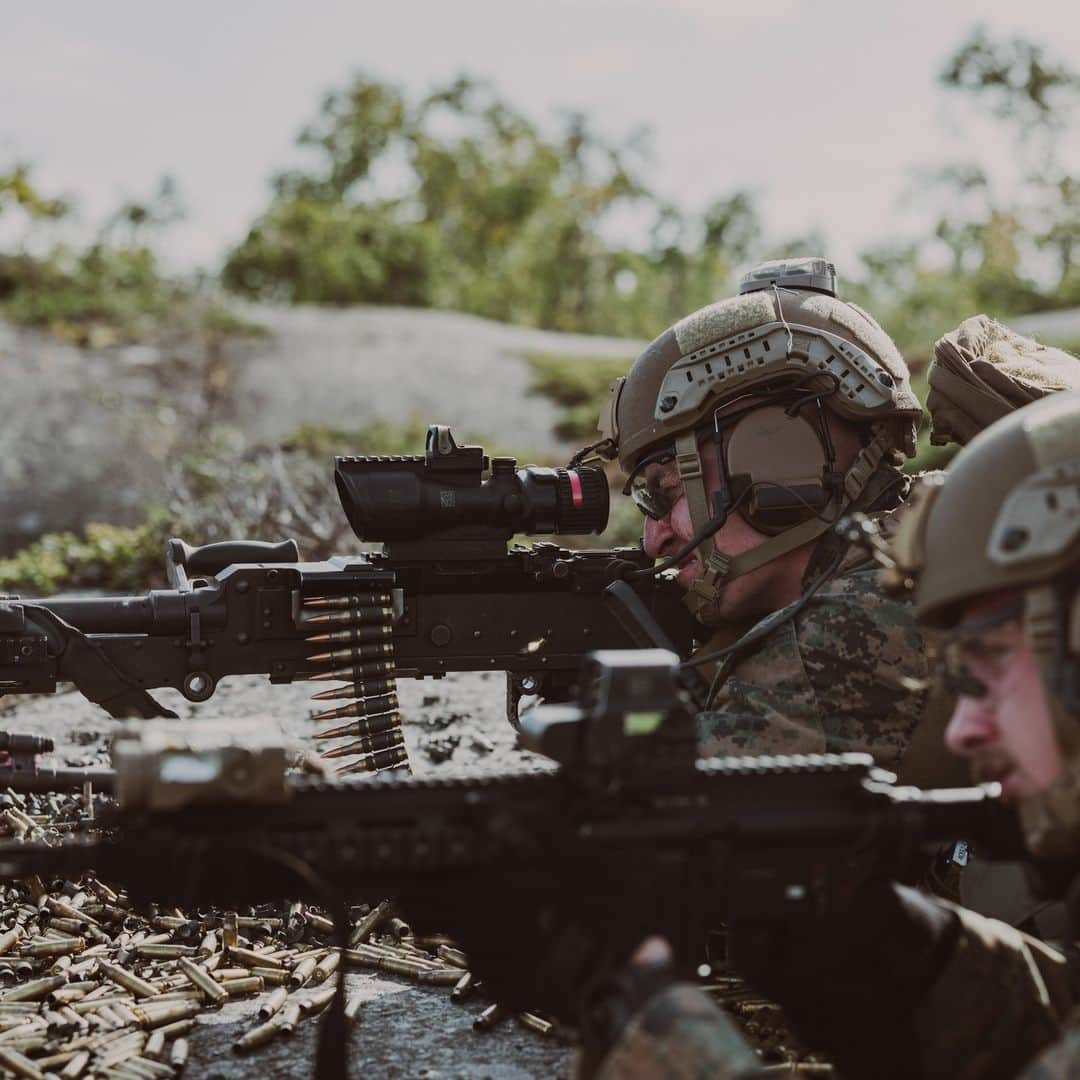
{"x": 907, "y": 986}
{"x": 746, "y": 431}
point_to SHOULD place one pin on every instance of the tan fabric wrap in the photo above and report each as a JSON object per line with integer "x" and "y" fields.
{"x": 1021, "y": 989}
{"x": 983, "y": 370}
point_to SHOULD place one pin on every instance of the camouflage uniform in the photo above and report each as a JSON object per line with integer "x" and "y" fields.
{"x": 834, "y": 678}
{"x": 679, "y": 1035}
{"x": 1017, "y": 986}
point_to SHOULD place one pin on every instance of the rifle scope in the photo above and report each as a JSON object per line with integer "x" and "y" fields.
{"x": 443, "y": 495}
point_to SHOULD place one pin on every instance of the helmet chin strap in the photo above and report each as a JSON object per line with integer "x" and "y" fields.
{"x": 719, "y": 568}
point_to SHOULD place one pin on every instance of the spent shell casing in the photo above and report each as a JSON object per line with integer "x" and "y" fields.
{"x": 128, "y": 980}
{"x": 535, "y": 1023}
{"x": 256, "y": 1037}
{"x": 370, "y": 725}
{"x": 357, "y": 635}
{"x": 399, "y": 927}
{"x": 274, "y": 1003}
{"x": 77, "y": 1065}
{"x": 59, "y": 946}
{"x": 19, "y": 1064}
{"x": 463, "y": 987}
{"x": 230, "y": 933}
{"x": 371, "y": 922}
{"x": 155, "y": 1045}
{"x": 250, "y": 958}
{"x": 316, "y": 1000}
{"x": 357, "y": 616}
{"x": 204, "y": 982}
{"x": 326, "y": 966}
{"x": 152, "y": 1016}
{"x": 209, "y": 944}
{"x": 252, "y": 984}
{"x": 35, "y": 990}
{"x": 353, "y": 1007}
{"x": 271, "y": 976}
{"x": 354, "y": 673}
{"x": 487, "y": 1019}
{"x": 454, "y": 957}
{"x": 165, "y": 952}
{"x": 178, "y": 1055}
{"x": 289, "y": 1017}
{"x": 368, "y": 744}
{"x": 9, "y": 938}
{"x": 361, "y": 689}
{"x": 371, "y": 706}
{"x": 360, "y": 599}
{"x": 355, "y": 656}
{"x": 302, "y": 972}
{"x": 446, "y": 976}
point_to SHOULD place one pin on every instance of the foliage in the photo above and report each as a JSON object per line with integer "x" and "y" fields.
{"x": 579, "y": 385}
{"x": 485, "y": 213}
{"x": 112, "y": 290}
{"x": 104, "y": 557}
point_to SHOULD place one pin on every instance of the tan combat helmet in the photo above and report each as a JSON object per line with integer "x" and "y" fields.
{"x": 1006, "y": 517}
{"x": 786, "y": 331}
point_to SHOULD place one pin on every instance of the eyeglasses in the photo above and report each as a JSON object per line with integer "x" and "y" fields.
{"x": 966, "y": 645}
{"x": 643, "y": 485}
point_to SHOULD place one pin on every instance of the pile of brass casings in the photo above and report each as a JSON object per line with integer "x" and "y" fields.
{"x": 92, "y": 987}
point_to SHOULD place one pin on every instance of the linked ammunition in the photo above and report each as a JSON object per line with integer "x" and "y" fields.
{"x": 357, "y": 635}
{"x": 362, "y": 689}
{"x": 361, "y": 654}
{"x": 368, "y": 744}
{"x": 381, "y": 759}
{"x": 353, "y": 673}
{"x": 380, "y": 598}
{"x": 365, "y": 728}
{"x": 365, "y": 706}
{"x": 357, "y": 616}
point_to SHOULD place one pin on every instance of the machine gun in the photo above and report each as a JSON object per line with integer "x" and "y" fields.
{"x": 547, "y": 877}
{"x": 444, "y": 594}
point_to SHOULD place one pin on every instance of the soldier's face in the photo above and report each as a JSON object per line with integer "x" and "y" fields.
{"x": 1006, "y": 731}
{"x": 757, "y": 592}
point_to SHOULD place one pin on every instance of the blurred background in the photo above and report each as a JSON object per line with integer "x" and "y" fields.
{"x": 238, "y": 239}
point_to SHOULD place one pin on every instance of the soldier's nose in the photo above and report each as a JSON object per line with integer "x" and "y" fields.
{"x": 972, "y": 726}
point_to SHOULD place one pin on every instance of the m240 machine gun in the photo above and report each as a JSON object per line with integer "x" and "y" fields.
{"x": 548, "y": 877}
{"x": 444, "y": 594}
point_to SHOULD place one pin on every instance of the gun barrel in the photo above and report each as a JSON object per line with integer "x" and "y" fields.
{"x": 161, "y": 611}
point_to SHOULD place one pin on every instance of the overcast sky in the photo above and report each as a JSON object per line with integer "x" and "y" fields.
{"x": 823, "y": 107}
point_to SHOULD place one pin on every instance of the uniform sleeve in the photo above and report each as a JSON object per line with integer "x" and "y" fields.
{"x": 1000, "y": 1000}
{"x": 679, "y": 1035}
{"x": 842, "y": 676}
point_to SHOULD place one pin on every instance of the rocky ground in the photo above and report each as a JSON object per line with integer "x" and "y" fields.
{"x": 406, "y": 1030}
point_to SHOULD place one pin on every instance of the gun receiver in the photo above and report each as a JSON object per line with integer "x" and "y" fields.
{"x": 446, "y": 594}
{"x": 628, "y": 836}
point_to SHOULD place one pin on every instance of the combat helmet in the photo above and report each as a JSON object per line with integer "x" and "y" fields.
{"x": 1005, "y": 517}
{"x": 785, "y": 338}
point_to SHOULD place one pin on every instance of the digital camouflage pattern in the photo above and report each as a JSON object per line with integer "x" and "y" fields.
{"x": 679, "y": 1035}
{"x": 837, "y": 677}
{"x": 1001, "y": 998}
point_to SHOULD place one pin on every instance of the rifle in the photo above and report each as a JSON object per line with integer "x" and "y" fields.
{"x": 444, "y": 594}
{"x": 550, "y": 876}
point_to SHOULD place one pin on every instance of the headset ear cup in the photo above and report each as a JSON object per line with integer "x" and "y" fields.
{"x": 784, "y": 462}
